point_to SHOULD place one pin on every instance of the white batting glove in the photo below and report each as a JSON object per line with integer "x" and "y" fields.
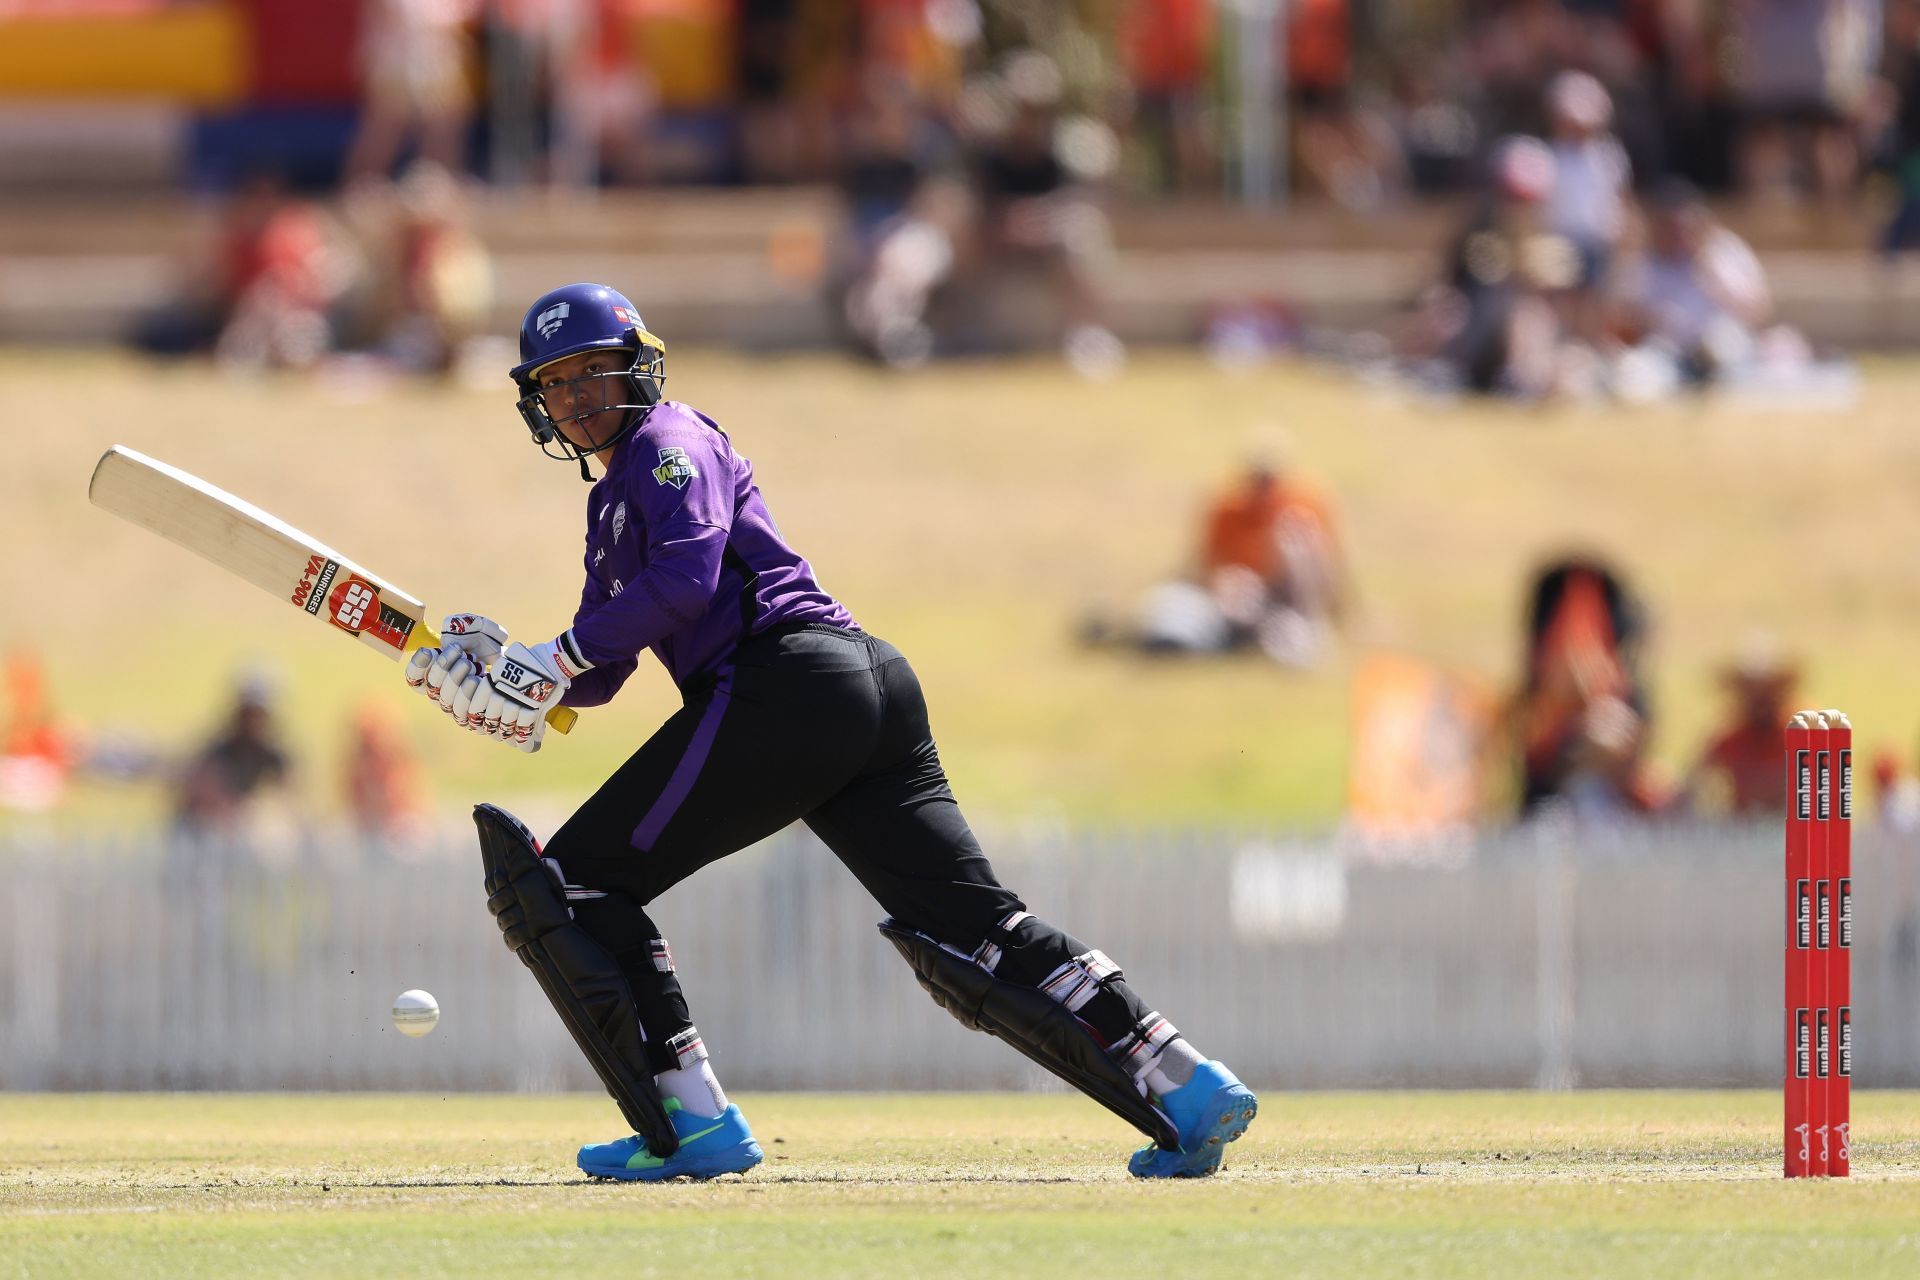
{"x": 431, "y": 671}
{"x": 438, "y": 672}
{"x": 417, "y": 667}
{"x": 480, "y": 638}
{"x": 467, "y": 700}
{"x": 522, "y": 685}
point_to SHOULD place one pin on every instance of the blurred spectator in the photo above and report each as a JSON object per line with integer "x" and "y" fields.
{"x": 224, "y": 778}
{"x": 1491, "y": 325}
{"x": 260, "y": 292}
{"x": 515, "y": 35}
{"x": 1272, "y": 575}
{"x": 1581, "y": 717}
{"x": 1804, "y": 75}
{"x": 441, "y": 285}
{"x": 897, "y": 245}
{"x": 1038, "y": 215}
{"x": 279, "y": 273}
{"x": 1434, "y": 132}
{"x": 382, "y": 779}
{"x": 1740, "y": 765}
{"x": 1591, "y": 184}
{"x": 606, "y": 98}
{"x": 1691, "y": 120}
{"x": 1896, "y": 795}
{"x": 795, "y": 69}
{"x": 923, "y": 44}
{"x": 414, "y": 85}
{"x": 1348, "y": 153}
{"x": 1698, "y": 298}
{"x": 36, "y": 754}
{"x": 1901, "y": 107}
{"x": 1167, "y": 50}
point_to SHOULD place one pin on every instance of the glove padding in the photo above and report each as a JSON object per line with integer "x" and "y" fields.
{"x": 521, "y": 685}
{"x": 480, "y": 638}
{"x": 438, "y": 673}
{"x": 453, "y": 680}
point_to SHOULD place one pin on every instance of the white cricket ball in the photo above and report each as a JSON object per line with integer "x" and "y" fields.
{"x": 415, "y": 1013}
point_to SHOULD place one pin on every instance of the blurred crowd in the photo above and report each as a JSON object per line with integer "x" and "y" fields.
{"x": 239, "y": 781}
{"x": 391, "y": 269}
{"x": 1565, "y": 284}
{"x": 1581, "y": 719}
{"x": 976, "y": 145}
{"x": 1378, "y": 100}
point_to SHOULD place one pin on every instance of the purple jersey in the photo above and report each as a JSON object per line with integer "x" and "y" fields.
{"x": 682, "y": 558}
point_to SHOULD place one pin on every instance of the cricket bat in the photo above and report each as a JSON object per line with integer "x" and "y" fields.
{"x": 269, "y": 553}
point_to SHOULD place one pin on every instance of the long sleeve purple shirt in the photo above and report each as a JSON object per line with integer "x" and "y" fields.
{"x": 682, "y": 558}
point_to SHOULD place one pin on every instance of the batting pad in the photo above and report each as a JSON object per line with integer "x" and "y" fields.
{"x": 1032, "y": 1022}
{"x": 528, "y": 901}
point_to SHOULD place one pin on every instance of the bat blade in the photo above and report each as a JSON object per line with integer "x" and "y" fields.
{"x": 268, "y": 552}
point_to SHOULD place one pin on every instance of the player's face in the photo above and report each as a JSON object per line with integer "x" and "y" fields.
{"x": 573, "y": 386}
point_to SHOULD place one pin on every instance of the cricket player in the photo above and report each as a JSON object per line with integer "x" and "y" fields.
{"x": 790, "y": 712}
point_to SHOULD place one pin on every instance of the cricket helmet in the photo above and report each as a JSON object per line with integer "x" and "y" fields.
{"x": 577, "y": 318}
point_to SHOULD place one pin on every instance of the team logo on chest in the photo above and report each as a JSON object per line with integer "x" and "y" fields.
{"x": 619, "y": 522}
{"x": 675, "y": 468}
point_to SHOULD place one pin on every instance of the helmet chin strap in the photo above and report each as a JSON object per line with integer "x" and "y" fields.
{"x": 581, "y": 455}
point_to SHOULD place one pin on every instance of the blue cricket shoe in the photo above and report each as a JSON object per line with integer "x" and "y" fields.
{"x": 1210, "y": 1110}
{"x": 709, "y": 1147}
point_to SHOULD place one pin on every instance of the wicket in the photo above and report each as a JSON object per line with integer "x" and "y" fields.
{"x": 1819, "y": 946}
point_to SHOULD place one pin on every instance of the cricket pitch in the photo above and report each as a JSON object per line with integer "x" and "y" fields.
{"x": 1610, "y": 1184}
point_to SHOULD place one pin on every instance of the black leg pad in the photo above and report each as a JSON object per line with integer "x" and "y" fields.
{"x": 580, "y": 977}
{"x": 1032, "y": 1022}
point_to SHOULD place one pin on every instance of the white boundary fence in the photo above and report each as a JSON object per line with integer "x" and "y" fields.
{"x": 1648, "y": 957}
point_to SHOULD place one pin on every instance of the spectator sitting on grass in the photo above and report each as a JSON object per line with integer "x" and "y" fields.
{"x": 1271, "y": 575}
{"x": 1590, "y": 188}
{"x": 245, "y": 758}
{"x": 1698, "y": 298}
{"x": 1581, "y": 714}
{"x": 1742, "y": 760}
{"x": 1490, "y": 325}
{"x": 1038, "y": 216}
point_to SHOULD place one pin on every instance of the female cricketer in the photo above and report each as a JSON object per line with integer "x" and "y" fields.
{"x": 790, "y": 712}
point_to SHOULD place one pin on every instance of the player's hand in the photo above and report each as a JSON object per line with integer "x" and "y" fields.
{"x": 521, "y": 685}
{"x": 438, "y": 672}
{"x": 479, "y": 637}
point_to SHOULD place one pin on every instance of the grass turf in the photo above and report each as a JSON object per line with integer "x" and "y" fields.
{"x": 971, "y": 512}
{"x": 1359, "y": 1185}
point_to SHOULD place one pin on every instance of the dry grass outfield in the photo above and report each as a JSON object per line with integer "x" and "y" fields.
{"x": 969, "y": 512}
{"x": 1355, "y": 1186}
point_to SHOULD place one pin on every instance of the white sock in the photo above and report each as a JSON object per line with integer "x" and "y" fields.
{"x": 696, "y": 1087}
{"x": 1173, "y": 1068}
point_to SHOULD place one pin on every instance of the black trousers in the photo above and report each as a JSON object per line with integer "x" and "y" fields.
{"x": 826, "y": 726}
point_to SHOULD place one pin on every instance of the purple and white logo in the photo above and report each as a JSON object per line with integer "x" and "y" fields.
{"x": 549, "y": 320}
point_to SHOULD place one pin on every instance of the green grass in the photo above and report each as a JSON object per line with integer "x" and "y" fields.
{"x": 1348, "y": 1185}
{"x": 971, "y": 512}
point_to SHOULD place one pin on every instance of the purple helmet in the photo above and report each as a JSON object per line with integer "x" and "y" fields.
{"x": 576, "y": 318}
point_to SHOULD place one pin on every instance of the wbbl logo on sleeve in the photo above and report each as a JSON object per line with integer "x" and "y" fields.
{"x": 674, "y": 468}
{"x": 549, "y": 320}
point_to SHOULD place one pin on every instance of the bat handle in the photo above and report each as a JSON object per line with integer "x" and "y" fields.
{"x": 561, "y": 719}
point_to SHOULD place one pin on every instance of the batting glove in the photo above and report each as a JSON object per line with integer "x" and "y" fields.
{"x": 522, "y": 685}
{"x": 480, "y": 638}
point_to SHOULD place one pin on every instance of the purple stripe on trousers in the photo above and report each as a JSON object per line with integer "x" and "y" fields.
{"x": 681, "y": 783}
